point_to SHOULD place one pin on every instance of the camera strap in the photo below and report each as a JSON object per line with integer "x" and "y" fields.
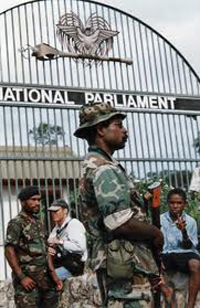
{"x": 59, "y": 231}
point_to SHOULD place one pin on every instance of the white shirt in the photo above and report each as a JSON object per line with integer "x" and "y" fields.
{"x": 195, "y": 181}
{"x": 73, "y": 236}
{"x": 173, "y": 236}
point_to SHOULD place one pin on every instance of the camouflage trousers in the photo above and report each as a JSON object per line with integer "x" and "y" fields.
{"x": 123, "y": 293}
{"x": 44, "y": 295}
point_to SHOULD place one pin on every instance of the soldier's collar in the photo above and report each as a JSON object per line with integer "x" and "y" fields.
{"x": 30, "y": 217}
{"x": 98, "y": 150}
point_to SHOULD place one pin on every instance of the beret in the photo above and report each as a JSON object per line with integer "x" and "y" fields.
{"x": 27, "y": 192}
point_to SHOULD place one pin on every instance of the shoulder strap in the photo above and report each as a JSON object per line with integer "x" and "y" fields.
{"x": 60, "y": 230}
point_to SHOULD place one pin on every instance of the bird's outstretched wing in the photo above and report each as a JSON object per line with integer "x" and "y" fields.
{"x": 101, "y": 32}
{"x": 100, "y": 36}
{"x": 96, "y": 38}
{"x": 95, "y": 22}
{"x": 67, "y": 30}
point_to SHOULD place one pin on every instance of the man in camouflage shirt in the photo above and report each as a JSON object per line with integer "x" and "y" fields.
{"x": 25, "y": 250}
{"x": 119, "y": 234}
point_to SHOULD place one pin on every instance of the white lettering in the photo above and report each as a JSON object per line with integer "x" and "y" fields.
{"x": 34, "y": 95}
{"x": 131, "y": 102}
{"x": 162, "y": 102}
{"x": 153, "y": 102}
{"x": 26, "y": 95}
{"x": 89, "y": 97}
{"x": 124, "y": 100}
{"x": 67, "y": 99}
{"x": 98, "y": 98}
{"x": 58, "y": 98}
{"x": 9, "y": 95}
{"x": 17, "y": 92}
{"x": 172, "y": 102}
{"x": 142, "y": 102}
{"x": 61, "y": 96}
{"x": 115, "y": 100}
{"x": 46, "y": 96}
{"x": 108, "y": 98}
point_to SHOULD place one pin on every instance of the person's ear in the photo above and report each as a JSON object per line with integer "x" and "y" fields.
{"x": 100, "y": 130}
{"x": 66, "y": 211}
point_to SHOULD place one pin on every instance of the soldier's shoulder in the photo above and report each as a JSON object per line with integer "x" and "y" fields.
{"x": 94, "y": 161}
{"x": 17, "y": 220}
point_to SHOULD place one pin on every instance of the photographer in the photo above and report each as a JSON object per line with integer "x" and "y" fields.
{"x": 67, "y": 242}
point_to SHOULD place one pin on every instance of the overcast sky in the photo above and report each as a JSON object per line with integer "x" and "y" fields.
{"x": 176, "y": 20}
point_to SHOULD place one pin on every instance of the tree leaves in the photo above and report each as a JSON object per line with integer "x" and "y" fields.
{"x": 47, "y": 134}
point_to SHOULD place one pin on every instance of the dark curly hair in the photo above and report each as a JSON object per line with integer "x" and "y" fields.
{"x": 177, "y": 191}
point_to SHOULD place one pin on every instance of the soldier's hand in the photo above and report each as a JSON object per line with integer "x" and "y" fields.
{"x": 155, "y": 282}
{"x": 58, "y": 282}
{"x": 147, "y": 196}
{"x": 28, "y": 284}
{"x": 59, "y": 285}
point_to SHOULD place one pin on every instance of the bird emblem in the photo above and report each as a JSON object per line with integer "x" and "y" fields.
{"x": 95, "y": 38}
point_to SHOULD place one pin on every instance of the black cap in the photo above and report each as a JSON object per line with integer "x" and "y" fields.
{"x": 27, "y": 192}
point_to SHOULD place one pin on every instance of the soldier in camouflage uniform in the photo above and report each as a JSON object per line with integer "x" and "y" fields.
{"x": 119, "y": 234}
{"x": 25, "y": 250}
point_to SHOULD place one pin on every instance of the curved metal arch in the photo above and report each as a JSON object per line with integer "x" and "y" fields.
{"x": 129, "y": 15}
{"x": 150, "y": 28}
{"x": 140, "y": 22}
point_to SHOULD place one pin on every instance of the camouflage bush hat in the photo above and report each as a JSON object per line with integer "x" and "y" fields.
{"x": 93, "y": 114}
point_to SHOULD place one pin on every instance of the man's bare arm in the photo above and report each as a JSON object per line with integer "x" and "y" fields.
{"x": 25, "y": 281}
{"x": 13, "y": 261}
{"x": 135, "y": 230}
{"x": 58, "y": 282}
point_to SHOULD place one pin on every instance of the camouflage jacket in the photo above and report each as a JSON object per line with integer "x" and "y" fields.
{"x": 105, "y": 188}
{"x": 29, "y": 241}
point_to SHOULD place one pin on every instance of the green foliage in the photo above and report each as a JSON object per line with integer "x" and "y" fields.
{"x": 47, "y": 134}
{"x": 73, "y": 195}
{"x": 196, "y": 143}
{"x": 193, "y": 207}
{"x": 142, "y": 188}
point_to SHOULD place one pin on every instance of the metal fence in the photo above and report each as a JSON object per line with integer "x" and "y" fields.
{"x": 37, "y": 145}
{"x": 160, "y": 144}
{"x": 157, "y": 66}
